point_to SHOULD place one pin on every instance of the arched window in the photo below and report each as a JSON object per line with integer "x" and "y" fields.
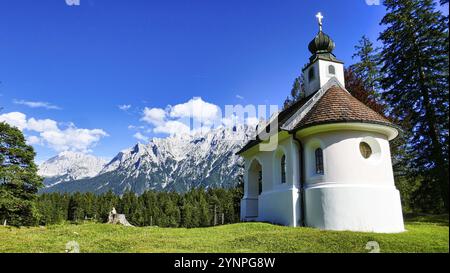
{"x": 311, "y": 74}
{"x": 283, "y": 169}
{"x": 331, "y": 70}
{"x": 319, "y": 161}
{"x": 260, "y": 182}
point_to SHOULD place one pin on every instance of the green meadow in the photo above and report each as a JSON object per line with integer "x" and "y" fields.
{"x": 424, "y": 234}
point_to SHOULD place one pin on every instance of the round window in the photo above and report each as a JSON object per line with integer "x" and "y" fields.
{"x": 365, "y": 149}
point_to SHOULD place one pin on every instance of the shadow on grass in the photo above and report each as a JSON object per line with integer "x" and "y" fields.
{"x": 438, "y": 219}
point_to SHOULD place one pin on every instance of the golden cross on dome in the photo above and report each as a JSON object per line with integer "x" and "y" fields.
{"x": 319, "y": 17}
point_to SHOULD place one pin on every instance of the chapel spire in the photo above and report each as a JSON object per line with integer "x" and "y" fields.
{"x": 323, "y": 64}
{"x": 322, "y": 45}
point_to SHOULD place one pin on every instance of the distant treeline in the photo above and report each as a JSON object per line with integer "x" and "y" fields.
{"x": 196, "y": 208}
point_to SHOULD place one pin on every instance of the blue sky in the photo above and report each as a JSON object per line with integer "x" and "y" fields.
{"x": 83, "y": 62}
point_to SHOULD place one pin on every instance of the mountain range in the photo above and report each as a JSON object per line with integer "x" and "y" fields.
{"x": 176, "y": 163}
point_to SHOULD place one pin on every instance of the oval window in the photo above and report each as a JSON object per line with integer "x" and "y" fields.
{"x": 365, "y": 150}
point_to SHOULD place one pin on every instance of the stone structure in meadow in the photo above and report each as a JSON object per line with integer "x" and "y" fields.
{"x": 118, "y": 219}
{"x": 325, "y": 161}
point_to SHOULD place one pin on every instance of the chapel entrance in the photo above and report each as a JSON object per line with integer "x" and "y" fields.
{"x": 254, "y": 188}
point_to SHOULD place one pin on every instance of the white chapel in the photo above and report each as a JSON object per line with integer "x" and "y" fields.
{"x": 331, "y": 168}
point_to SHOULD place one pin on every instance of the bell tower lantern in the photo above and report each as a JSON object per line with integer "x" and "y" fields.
{"x": 323, "y": 64}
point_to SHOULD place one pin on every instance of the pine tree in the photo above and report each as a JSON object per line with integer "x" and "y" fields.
{"x": 19, "y": 181}
{"x": 415, "y": 84}
{"x": 367, "y": 68}
{"x": 297, "y": 92}
{"x": 74, "y": 210}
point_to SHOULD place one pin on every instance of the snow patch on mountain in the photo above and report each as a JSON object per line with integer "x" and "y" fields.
{"x": 69, "y": 166}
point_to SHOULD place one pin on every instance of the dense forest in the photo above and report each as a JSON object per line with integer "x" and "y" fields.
{"x": 196, "y": 208}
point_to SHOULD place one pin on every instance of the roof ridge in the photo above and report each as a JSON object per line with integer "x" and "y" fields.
{"x": 303, "y": 111}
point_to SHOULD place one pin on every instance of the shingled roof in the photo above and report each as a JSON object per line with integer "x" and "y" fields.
{"x": 335, "y": 106}
{"x": 283, "y": 116}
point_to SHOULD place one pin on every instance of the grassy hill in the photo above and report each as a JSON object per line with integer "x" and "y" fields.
{"x": 424, "y": 234}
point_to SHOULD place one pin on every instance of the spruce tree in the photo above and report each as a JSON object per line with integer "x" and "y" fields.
{"x": 415, "y": 85}
{"x": 19, "y": 181}
{"x": 297, "y": 92}
{"x": 367, "y": 67}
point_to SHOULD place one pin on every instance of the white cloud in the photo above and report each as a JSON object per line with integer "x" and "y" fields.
{"x": 37, "y": 104}
{"x": 196, "y": 116}
{"x": 73, "y": 139}
{"x": 239, "y": 97}
{"x": 41, "y": 125}
{"x": 141, "y": 137}
{"x": 16, "y": 119}
{"x": 234, "y": 120}
{"x": 177, "y": 119}
{"x": 154, "y": 116}
{"x": 52, "y": 135}
{"x": 125, "y": 107}
{"x": 197, "y": 109}
{"x": 34, "y": 140}
{"x": 134, "y": 127}
{"x": 172, "y": 127}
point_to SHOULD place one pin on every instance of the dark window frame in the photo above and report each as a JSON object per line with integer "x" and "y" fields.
{"x": 283, "y": 169}
{"x": 259, "y": 182}
{"x": 319, "y": 161}
{"x": 311, "y": 74}
{"x": 331, "y": 69}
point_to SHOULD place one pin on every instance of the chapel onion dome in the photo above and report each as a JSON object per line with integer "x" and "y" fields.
{"x": 322, "y": 43}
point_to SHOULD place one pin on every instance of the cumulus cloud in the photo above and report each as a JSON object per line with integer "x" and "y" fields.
{"x": 49, "y": 132}
{"x": 198, "y": 116}
{"x": 239, "y": 97}
{"x": 183, "y": 118}
{"x": 125, "y": 107}
{"x": 154, "y": 116}
{"x": 37, "y": 104}
{"x": 41, "y": 125}
{"x": 140, "y": 137}
{"x": 34, "y": 140}
{"x": 197, "y": 109}
{"x": 73, "y": 138}
{"x": 172, "y": 127}
{"x": 16, "y": 119}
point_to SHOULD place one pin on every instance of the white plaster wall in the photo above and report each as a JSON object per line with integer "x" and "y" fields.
{"x": 314, "y": 84}
{"x": 354, "y": 193}
{"x": 278, "y": 202}
{"x": 343, "y": 162}
{"x": 355, "y": 208}
{"x": 325, "y": 76}
{"x": 322, "y": 76}
{"x": 280, "y": 207}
